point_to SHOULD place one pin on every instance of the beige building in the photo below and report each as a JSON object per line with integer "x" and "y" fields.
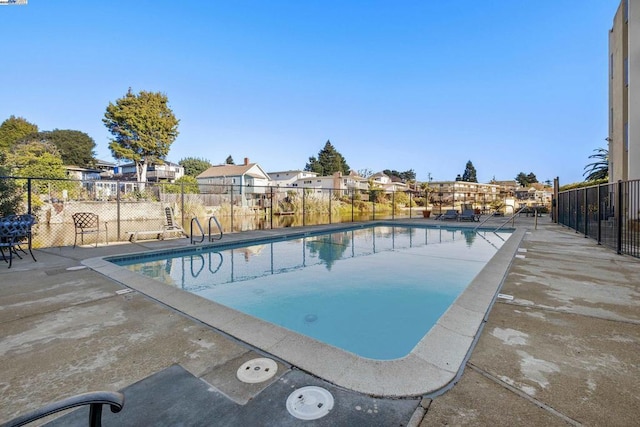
{"x": 624, "y": 93}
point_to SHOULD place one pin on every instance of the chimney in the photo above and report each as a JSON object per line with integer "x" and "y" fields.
{"x": 246, "y": 161}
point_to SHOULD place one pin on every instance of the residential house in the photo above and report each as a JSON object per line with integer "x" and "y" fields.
{"x": 288, "y": 178}
{"x": 459, "y": 194}
{"x": 165, "y": 172}
{"x": 321, "y": 184}
{"x": 248, "y": 180}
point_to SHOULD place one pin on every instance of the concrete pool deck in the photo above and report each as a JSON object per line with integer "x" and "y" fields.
{"x": 564, "y": 350}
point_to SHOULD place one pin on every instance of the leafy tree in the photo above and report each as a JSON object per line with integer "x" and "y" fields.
{"x": 14, "y": 129}
{"x": 328, "y": 162}
{"x": 187, "y": 184}
{"x": 469, "y": 174}
{"x": 10, "y": 194}
{"x": 36, "y": 159}
{"x": 229, "y": 160}
{"x": 143, "y": 126}
{"x": 194, "y": 166}
{"x": 526, "y": 180}
{"x": 365, "y": 173}
{"x": 406, "y": 176}
{"x": 600, "y": 168}
{"x": 75, "y": 147}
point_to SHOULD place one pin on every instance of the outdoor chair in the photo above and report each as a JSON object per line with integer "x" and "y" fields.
{"x": 468, "y": 215}
{"x": 172, "y": 225}
{"x": 450, "y": 214}
{"x": 88, "y": 223}
{"x": 14, "y": 230}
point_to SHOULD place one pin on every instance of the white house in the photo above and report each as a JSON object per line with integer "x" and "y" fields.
{"x": 165, "y": 172}
{"x": 288, "y": 178}
{"x": 242, "y": 176}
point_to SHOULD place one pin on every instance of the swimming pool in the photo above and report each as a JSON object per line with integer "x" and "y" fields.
{"x": 431, "y": 364}
{"x": 373, "y": 291}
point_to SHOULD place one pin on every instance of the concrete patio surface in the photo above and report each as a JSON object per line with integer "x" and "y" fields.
{"x": 564, "y": 350}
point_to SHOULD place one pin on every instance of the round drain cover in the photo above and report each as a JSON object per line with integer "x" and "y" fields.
{"x": 257, "y": 370}
{"x": 310, "y": 403}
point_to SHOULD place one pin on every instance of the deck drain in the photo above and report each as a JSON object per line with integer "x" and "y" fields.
{"x": 257, "y": 370}
{"x": 310, "y": 403}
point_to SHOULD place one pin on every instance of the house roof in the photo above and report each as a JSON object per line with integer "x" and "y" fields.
{"x": 232, "y": 170}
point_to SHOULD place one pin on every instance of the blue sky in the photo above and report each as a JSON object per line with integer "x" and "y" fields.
{"x": 512, "y": 85}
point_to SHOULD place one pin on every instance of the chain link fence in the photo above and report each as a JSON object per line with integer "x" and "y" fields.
{"x": 128, "y": 207}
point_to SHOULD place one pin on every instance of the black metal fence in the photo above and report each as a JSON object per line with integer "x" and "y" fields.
{"x": 127, "y": 207}
{"x": 609, "y": 213}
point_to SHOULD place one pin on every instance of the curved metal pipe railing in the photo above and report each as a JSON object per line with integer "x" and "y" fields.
{"x": 211, "y": 238}
{"x": 193, "y": 241}
{"x": 95, "y": 399}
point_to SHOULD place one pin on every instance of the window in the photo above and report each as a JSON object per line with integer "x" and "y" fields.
{"x": 626, "y": 136}
{"x": 611, "y": 66}
{"x": 610, "y": 120}
{"x": 626, "y": 71}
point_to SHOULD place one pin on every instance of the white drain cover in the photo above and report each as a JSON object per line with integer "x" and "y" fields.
{"x": 257, "y": 370}
{"x": 310, "y": 403}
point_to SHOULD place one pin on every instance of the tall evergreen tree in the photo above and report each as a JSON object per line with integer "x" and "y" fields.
{"x": 469, "y": 174}
{"x": 328, "y": 162}
{"x": 229, "y": 160}
{"x": 526, "y": 180}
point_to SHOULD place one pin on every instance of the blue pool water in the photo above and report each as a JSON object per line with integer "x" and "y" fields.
{"x": 374, "y": 291}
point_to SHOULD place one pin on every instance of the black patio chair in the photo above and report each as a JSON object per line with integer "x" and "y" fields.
{"x": 13, "y": 230}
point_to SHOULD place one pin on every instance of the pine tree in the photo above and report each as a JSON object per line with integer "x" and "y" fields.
{"x": 328, "y": 162}
{"x": 469, "y": 174}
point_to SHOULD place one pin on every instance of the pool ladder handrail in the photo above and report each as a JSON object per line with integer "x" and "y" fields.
{"x": 510, "y": 218}
{"x": 213, "y": 219}
{"x": 197, "y": 222}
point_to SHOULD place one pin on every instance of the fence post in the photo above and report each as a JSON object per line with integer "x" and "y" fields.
{"x": 304, "y": 201}
{"x": 373, "y": 204}
{"x": 586, "y": 214}
{"x": 353, "y": 197}
{"x": 271, "y": 207}
{"x": 28, "y": 196}
{"x": 118, "y": 209}
{"x": 619, "y": 216}
{"x": 393, "y": 205}
{"x": 231, "y": 205}
{"x": 182, "y": 203}
{"x": 575, "y": 226}
{"x": 330, "y": 206}
{"x": 598, "y": 211}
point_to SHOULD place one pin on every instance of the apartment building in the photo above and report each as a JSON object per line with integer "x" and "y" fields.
{"x": 624, "y": 93}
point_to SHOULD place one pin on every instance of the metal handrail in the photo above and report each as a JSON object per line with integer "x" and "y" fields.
{"x": 211, "y": 238}
{"x": 96, "y": 399}
{"x": 510, "y": 218}
{"x": 480, "y": 225}
{"x": 193, "y": 241}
